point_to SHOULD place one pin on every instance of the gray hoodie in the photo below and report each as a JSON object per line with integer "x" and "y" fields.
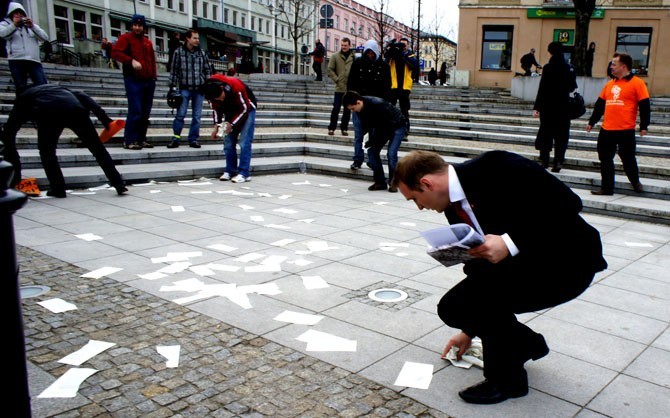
{"x": 22, "y": 43}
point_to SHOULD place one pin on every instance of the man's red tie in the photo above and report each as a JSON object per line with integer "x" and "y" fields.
{"x": 461, "y": 213}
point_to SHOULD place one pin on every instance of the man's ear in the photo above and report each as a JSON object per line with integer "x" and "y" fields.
{"x": 427, "y": 183}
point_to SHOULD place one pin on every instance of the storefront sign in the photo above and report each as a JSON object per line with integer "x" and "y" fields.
{"x": 496, "y": 46}
{"x": 565, "y": 36}
{"x": 539, "y": 13}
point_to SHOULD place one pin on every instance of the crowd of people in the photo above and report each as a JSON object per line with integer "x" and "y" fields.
{"x": 375, "y": 90}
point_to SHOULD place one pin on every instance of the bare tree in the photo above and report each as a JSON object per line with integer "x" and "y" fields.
{"x": 298, "y": 14}
{"x": 583, "y": 11}
{"x": 436, "y": 40}
{"x": 383, "y": 21}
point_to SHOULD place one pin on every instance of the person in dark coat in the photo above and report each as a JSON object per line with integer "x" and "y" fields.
{"x": 538, "y": 253}
{"x": 590, "y": 54}
{"x": 318, "y": 56}
{"x": 369, "y": 75}
{"x": 384, "y": 123}
{"x": 432, "y": 76}
{"x": 527, "y": 62}
{"x": 174, "y": 44}
{"x": 551, "y": 105}
{"x": 443, "y": 74}
{"x": 54, "y": 108}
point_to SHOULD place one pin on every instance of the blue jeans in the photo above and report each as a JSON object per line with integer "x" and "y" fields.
{"x": 391, "y": 155}
{"x": 359, "y": 154}
{"x": 244, "y": 136}
{"x": 22, "y": 69}
{"x": 196, "y": 100}
{"x": 140, "y": 94}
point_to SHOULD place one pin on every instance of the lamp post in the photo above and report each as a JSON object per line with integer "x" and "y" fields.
{"x": 353, "y": 32}
{"x": 274, "y": 11}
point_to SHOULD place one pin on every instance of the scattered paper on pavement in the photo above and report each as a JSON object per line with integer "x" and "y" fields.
{"x": 91, "y": 349}
{"x": 101, "y": 272}
{"x": 171, "y": 353}
{"x": 68, "y": 384}
{"x": 415, "y": 375}
{"x": 57, "y": 305}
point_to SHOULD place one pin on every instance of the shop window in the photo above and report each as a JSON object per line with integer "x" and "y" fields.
{"x": 182, "y": 6}
{"x": 497, "y": 47}
{"x": 194, "y": 7}
{"x": 160, "y": 43}
{"x": 635, "y": 42}
{"x": 62, "y": 24}
{"x": 215, "y": 12}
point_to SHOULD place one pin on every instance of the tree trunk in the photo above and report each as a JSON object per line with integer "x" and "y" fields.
{"x": 583, "y": 11}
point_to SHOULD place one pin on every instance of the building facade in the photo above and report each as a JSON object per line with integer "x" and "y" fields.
{"x": 436, "y": 49}
{"x": 494, "y": 34}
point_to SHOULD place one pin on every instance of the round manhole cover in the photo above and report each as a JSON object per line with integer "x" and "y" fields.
{"x": 32, "y": 291}
{"x": 387, "y": 295}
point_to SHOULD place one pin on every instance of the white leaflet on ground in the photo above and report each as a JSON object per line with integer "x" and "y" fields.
{"x": 57, "y": 305}
{"x": 175, "y": 267}
{"x": 639, "y": 244}
{"x": 178, "y": 208}
{"x": 202, "y": 270}
{"x": 246, "y": 207}
{"x": 257, "y": 218}
{"x": 314, "y": 282}
{"x": 221, "y": 247}
{"x": 90, "y": 350}
{"x": 88, "y": 237}
{"x": 249, "y": 257}
{"x": 298, "y": 318}
{"x": 171, "y": 353}
{"x": 415, "y": 375}
{"x": 68, "y": 384}
{"x": 322, "y": 341}
{"x": 152, "y": 276}
{"x": 275, "y": 226}
{"x": 282, "y": 242}
{"x": 285, "y": 210}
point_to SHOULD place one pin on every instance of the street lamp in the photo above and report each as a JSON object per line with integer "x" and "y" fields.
{"x": 274, "y": 11}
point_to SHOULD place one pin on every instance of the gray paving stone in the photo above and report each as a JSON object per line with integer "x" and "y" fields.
{"x": 630, "y": 397}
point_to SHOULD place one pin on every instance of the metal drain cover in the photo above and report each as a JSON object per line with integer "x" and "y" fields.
{"x": 387, "y": 295}
{"x": 33, "y": 291}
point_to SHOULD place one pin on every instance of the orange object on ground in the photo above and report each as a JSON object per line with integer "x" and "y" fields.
{"x": 114, "y": 127}
{"x": 28, "y": 186}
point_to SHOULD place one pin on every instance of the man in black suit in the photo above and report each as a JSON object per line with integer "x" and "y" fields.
{"x": 539, "y": 252}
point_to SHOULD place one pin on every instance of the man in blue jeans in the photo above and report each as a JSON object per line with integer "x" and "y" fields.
{"x": 136, "y": 52}
{"x": 234, "y": 107}
{"x": 190, "y": 69}
{"x": 384, "y": 123}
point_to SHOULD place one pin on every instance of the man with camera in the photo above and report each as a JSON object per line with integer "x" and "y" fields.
{"x": 403, "y": 64}
{"x": 23, "y": 37}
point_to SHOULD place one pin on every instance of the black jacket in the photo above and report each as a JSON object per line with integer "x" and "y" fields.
{"x": 380, "y": 119}
{"x": 558, "y": 80}
{"x": 370, "y": 78}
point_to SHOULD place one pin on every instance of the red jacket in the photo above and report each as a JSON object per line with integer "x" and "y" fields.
{"x": 236, "y": 106}
{"x": 131, "y": 47}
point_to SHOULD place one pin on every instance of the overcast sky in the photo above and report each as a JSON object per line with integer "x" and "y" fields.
{"x": 402, "y": 10}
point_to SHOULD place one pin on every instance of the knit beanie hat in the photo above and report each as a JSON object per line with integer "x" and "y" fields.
{"x": 139, "y": 19}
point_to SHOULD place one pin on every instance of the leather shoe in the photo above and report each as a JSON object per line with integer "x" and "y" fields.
{"x": 173, "y": 144}
{"x": 488, "y": 393}
{"x": 331, "y": 132}
{"x": 601, "y": 192}
{"x": 356, "y": 165}
{"x": 377, "y": 186}
{"x": 638, "y": 187}
{"x": 345, "y": 133}
{"x": 393, "y": 189}
{"x": 121, "y": 189}
{"x": 557, "y": 168}
{"x": 194, "y": 144}
{"x": 145, "y": 144}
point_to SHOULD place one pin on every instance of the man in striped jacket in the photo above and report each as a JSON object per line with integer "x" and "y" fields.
{"x": 190, "y": 70}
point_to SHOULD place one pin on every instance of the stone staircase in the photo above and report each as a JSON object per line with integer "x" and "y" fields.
{"x": 291, "y": 126}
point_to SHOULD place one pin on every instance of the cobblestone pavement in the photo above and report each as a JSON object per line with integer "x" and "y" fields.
{"x": 223, "y": 371}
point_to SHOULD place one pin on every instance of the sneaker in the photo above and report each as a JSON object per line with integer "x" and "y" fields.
{"x": 173, "y": 144}
{"x": 345, "y": 133}
{"x": 377, "y": 186}
{"x": 194, "y": 144}
{"x": 145, "y": 144}
{"x": 240, "y": 179}
{"x": 356, "y": 165}
{"x": 132, "y": 145}
{"x": 225, "y": 177}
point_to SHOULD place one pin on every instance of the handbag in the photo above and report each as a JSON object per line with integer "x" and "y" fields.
{"x": 576, "y": 106}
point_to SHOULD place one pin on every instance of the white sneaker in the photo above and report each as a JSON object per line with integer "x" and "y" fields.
{"x": 225, "y": 177}
{"x": 240, "y": 179}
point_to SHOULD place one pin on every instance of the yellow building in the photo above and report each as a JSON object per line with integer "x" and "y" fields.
{"x": 436, "y": 49}
{"x": 495, "y": 34}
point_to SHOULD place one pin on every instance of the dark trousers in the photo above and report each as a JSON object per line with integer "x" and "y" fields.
{"x": 48, "y": 133}
{"x": 22, "y": 69}
{"x": 402, "y": 96}
{"x": 609, "y": 142}
{"x": 140, "y": 94}
{"x": 486, "y": 302}
{"x": 316, "y": 66}
{"x": 554, "y": 133}
{"x": 335, "y": 113}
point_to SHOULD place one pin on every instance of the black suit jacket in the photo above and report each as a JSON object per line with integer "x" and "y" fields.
{"x": 511, "y": 194}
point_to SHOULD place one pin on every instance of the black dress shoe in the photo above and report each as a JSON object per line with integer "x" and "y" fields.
{"x": 194, "y": 144}
{"x": 601, "y": 192}
{"x": 57, "y": 193}
{"x": 557, "y": 168}
{"x": 638, "y": 187}
{"x": 173, "y": 144}
{"x": 488, "y": 393}
{"x": 356, "y": 165}
{"x": 121, "y": 189}
{"x": 377, "y": 186}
